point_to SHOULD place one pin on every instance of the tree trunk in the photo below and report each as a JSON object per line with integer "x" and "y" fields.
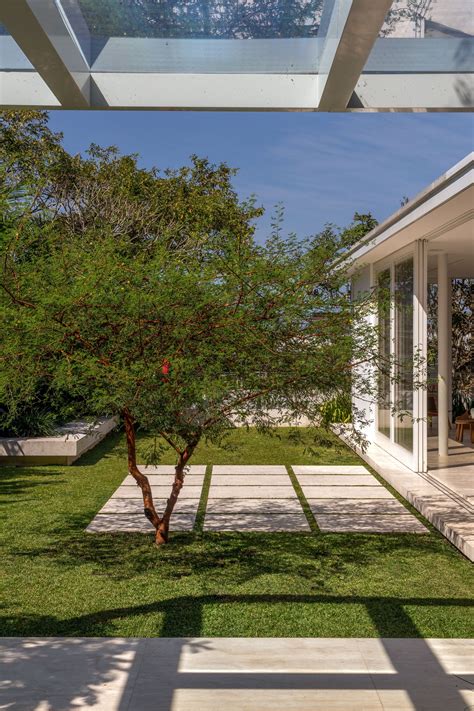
{"x": 163, "y": 528}
{"x": 142, "y": 480}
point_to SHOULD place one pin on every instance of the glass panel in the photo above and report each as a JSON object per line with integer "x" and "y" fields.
{"x": 200, "y": 36}
{"x": 11, "y": 56}
{"x": 403, "y": 335}
{"x": 402, "y": 46}
{"x": 202, "y": 19}
{"x": 384, "y": 352}
{"x": 428, "y": 19}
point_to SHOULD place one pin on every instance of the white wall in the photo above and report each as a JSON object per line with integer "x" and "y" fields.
{"x": 362, "y": 283}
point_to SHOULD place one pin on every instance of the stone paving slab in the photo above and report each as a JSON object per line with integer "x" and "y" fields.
{"x": 121, "y": 522}
{"x": 346, "y": 492}
{"x": 124, "y": 510}
{"x": 236, "y": 674}
{"x": 166, "y": 480}
{"x": 251, "y": 492}
{"x": 168, "y": 469}
{"x": 237, "y": 505}
{"x": 256, "y": 522}
{"x": 249, "y": 481}
{"x": 370, "y": 523}
{"x": 159, "y": 492}
{"x": 135, "y": 506}
{"x": 253, "y": 498}
{"x": 249, "y": 469}
{"x": 338, "y": 480}
{"x": 356, "y": 506}
{"x": 329, "y": 469}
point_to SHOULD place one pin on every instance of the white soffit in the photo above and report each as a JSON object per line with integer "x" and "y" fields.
{"x": 448, "y": 201}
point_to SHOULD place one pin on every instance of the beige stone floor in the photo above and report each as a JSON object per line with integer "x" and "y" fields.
{"x": 456, "y": 471}
{"x": 236, "y": 674}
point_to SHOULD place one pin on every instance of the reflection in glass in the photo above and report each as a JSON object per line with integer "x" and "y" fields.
{"x": 384, "y": 352}
{"x": 403, "y": 333}
{"x": 429, "y": 19}
{"x": 203, "y": 19}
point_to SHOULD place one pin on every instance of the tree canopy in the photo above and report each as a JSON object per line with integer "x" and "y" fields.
{"x": 145, "y": 295}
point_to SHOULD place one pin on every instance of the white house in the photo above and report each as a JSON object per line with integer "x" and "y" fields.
{"x": 430, "y": 240}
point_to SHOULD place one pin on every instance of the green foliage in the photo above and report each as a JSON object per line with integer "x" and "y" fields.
{"x": 218, "y": 19}
{"x": 140, "y": 289}
{"x": 336, "y": 410}
{"x": 462, "y": 353}
{"x": 36, "y": 412}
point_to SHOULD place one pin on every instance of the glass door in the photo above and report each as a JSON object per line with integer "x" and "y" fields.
{"x": 403, "y": 348}
{"x": 395, "y": 409}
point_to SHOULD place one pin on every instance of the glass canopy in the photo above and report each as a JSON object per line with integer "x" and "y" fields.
{"x": 331, "y": 55}
{"x": 201, "y": 19}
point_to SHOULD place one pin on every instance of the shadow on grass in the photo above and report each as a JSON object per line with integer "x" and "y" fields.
{"x": 56, "y": 673}
{"x": 15, "y": 481}
{"x": 222, "y": 558}
{"x": 103, "y": 450}
{"x": 183, "y": 616}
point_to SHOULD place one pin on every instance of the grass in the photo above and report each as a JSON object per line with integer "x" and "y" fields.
{"x": 57, "y": 580}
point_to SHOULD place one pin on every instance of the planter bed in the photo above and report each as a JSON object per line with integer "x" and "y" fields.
{"x": 72, "y": 441}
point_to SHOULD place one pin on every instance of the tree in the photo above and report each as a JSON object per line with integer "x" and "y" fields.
{"x": 219, "y": 19}
{"x": 169, "y": 314}
{"x": 462, "y": 350}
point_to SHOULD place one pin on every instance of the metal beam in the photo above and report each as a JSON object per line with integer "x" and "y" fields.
{"x": 205, "y": 92}
{"x": 352, "y": 33}
{"x": 42, "y": 32}
{"x": 21, "y": 89}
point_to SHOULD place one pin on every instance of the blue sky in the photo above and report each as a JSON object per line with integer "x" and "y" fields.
{"x": 322, "y": 167}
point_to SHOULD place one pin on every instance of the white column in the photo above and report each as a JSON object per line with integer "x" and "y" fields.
{"x": 443, "y": 355}
{"x": 420, "y": 346}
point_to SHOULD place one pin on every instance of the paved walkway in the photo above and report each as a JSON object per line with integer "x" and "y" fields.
{"x": 253, "y": 498}
{"x": 351, "y": 500}
{"x": 346, "y": 499}
{"x": 124, "y": 510}
{"x": 449, "y": 513}
{"x": 209, "y": 674}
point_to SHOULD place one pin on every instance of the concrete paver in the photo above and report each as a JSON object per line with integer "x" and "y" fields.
{"x": 253, "y": 498}
{"x": 224, "y": 506}
{"x": 162, "y": 480}
{"x": 328, "y": 469}
{"x": 346, "y": 492}
{"x": 356, "y": 506}
{"x": 124, "y": 522}
{"x": 135, "y": 506}
{"x": 353, "y": 502}
{"x": 249, "y": 469}
{"x": 251, "y": 492}
{"x": 160, "y": 492}
{"x": 248, "y": 481}
{"x": 256, "y": 522}
{"x": 370, "y": 523}
{"x": 338, "y": 480}
{"x": 123, "y": 512}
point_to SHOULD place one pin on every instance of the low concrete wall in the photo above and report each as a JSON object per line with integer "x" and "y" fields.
{"x": 74, "y": 440}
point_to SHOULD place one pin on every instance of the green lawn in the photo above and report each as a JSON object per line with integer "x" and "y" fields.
{"x": 57, "y": 580}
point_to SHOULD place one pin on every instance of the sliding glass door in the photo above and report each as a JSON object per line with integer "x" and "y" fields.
{"x": 384, "y": 371}
{"x": 395, "y": 413}
{"x": 403, "y": 348}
